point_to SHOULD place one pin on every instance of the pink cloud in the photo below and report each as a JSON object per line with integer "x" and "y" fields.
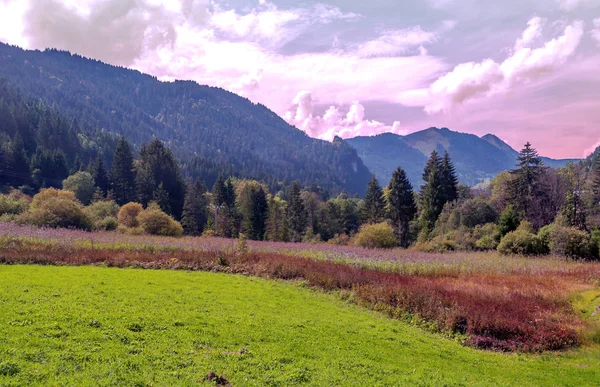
{"x": 333, "y": 122}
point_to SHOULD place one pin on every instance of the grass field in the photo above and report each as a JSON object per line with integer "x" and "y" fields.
{"x": 106, "y": 326}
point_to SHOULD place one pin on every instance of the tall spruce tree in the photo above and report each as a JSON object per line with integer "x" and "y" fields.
{"x": 449, "y": 179}
{"x": 276, "y": 229}
{"x": 122, "y": 174}
{"x": 373, "y": 209}
{"x": 432, "y": 200}
{"x": 401, "y": 205}
{"x": 156, "y": 167}
{"x": 296, "y": 214}
{"x": 258, "y": 215}
{"x": 100, "y": 175}
{"x": 224, "y": 211}
{"x": 573, "y": 210}
{"x": 195, "y": 209}
{"x": 596, "y": 178}
{"x": 434, "y": 162}
{"x": 525, "y": 179}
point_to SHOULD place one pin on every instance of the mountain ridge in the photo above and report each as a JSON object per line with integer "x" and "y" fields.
{"x": 477, "y": 159}
{"x": 210, "y": 130}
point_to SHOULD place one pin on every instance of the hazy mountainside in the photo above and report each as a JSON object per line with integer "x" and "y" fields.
{"x": 209, "y": 129}
{"x": 476, "y": 159}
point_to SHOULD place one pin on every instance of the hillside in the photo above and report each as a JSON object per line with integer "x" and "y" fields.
{"x": 209, "y": 129}
{"x": 476, "y": 159}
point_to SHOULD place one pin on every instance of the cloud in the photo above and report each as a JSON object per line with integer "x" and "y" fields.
{"x": 116, "y": 31}
{"x": 472, "y": 80}
{"x": 569, "y": 5}
{"x": 334, "y": 122}
{"x": 596, "y": 31}
{"x": 589, "y": 151}
{"x": 395, "y": 42}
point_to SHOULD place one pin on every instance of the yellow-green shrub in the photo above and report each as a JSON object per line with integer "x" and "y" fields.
{"x": 156, "y": 222}
{"x": 56, "y": 208}
{"x": 128, "y": 214}
{"x": 571, "y": 242}
{"x": 522, "y": 241}
{"x": 376, "y": 236}
{"x": 103, "y": 215}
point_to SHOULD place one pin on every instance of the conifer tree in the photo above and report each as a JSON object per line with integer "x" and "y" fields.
{"x": 526, "y": 177}
{"x": 401, "y": 205}
{"x": 161, "y": 197}
{"x": 432, "y": 201}
{"x": 276, "y": 229}
{"x": 122, "y": 173}
{"x": 434, "y": 162}
{"x": 195, "y": 209}
{"x": 296, "y": 214}
{"x": 100, "y": 175}
{"x": 224, "y": 210}
{"x": 157, "y": 166}
{"x": 596, "y": 178}
{"x": 573, "y": 210}
{"x": 449, "y": 179}
{"x": 258, "y": 215}
{"x": 373, "y": 210}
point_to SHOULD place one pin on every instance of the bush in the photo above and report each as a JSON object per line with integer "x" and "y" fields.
{"x": 82, "y": 184}
{"x": 103, "y": 215}
{"x": 56, "y": 208}
{"x": 522, "y": 241}
{"x": 487, "y": 237}
{"x": 154, "y": 221}
{"x": 376, "y": 236}
{"x": 571, "y": 242}
{"x": 128, "y": 214}
{"x": 460, "y": 239}
{"x": 13, "y": 204}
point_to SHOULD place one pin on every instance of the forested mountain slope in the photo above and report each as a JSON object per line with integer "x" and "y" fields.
{"x": 210, "y": 130}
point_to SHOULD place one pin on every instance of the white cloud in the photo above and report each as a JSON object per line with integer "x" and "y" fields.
{"x": 596, "y": 31}
{"x": 472, "y": 80}
{"x": 569, "y": 5}
{"x": 334, "y": 122}
{"x": 396, "y": 42}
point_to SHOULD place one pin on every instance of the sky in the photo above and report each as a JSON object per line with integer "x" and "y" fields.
{"x": 524, "y": 70}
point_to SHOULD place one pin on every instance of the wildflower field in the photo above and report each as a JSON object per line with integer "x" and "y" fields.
{"x": 443, "y": 307}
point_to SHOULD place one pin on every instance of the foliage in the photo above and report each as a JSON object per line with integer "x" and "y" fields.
{"x": 122, "y": 174}
{"x": 155, "y": 222}
{"x": 296, "y": 214}
{"x": 128, "y": 214}
{"x": 82, "y": 184}
{"x": 13, "y": 204}
{"x": 103, "y": 215}
{"x": 376, "y": 236}
{"x": 571, "y": 242}
{"x": 522, "y": 241}
{"x": 401, "y": 205}
{"x": 373, "y": 205}
{"x": 509, "y": 221}
{"x": 195, "y": 209}
{"x": 56, "y": 208}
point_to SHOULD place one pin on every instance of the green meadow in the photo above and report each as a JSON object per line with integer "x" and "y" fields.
{"x": 82, "y": 326}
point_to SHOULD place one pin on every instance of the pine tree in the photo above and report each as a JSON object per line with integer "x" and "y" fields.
{"x": 220, "y": 192}
{"x": 449, "y": 180}
{"x": 573, "y": 210}
{"x": 161, "y": 197}
{"x": 122, "y": 173}
{"x": 195, "y": 209}
{"x": 432, "y": 201}
{"x": 225, "y": 212}
{"x": 258, "y": 215}
{"x": 596, "y": 178}
{"x": 296, "y": 214}
{"x": 526, "y": 177}
{"x": 157, "y": 166}
{"x": 401, "y": 205}
{"x": 373, "y": 209}
{"x": 434, "y": 162}
{"x": 276, "y": 229}
{"x": 100, "y": 175}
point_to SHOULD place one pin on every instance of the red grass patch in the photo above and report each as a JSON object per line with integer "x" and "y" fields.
{"x": 499, "y": 312}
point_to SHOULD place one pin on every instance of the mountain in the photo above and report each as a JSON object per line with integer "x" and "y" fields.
{"x": 477, "y": 159}
{"x": 210, "y": 130}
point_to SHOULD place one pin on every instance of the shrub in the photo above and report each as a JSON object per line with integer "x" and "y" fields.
{"x": 522, "y": 241}
{"x": 487, "y": 237}
{"x": 571, "y": 242}
{"x": 103, "y": 214}
{"x": 56, "y": 208}
{"x": 376, "y": 236}
{"x": 509, "y": 221}
{"x": 82, "y": 184}
{"x": 128, "y": 214}
{"x": 13, "y": 204}
{"x": 154, "y": 221}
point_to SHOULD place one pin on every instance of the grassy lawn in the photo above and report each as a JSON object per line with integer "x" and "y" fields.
{"x": 102, "y": 326}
